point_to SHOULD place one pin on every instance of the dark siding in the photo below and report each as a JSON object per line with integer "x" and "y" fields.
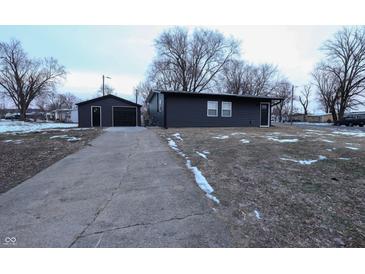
{"x": 156, "y": 118}
{"x": 188, "y": 111}
{"x": 106, "y": 104}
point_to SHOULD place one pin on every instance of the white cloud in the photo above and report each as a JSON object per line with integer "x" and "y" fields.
{"x": 84, "y": 84}
{"x": 294, "y": 49}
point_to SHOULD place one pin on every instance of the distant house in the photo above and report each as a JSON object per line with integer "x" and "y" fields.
{"x": 64, "y": 115}
{"x": 108, "y": 111}
{"x": 187, "y": 109}
{"x": 298, "y": 117}
{"x": 320, "y": 118}
{"x": 74, "y": 116}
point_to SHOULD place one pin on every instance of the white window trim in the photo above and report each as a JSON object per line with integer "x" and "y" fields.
{"x": 216, "y": 102}
{"x": 226, "y": 109}
{"x": 101, "y": 116}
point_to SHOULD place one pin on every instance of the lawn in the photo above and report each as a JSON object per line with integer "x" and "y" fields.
{"x": 282, "y": 186}
{"x": 23, "y": 154}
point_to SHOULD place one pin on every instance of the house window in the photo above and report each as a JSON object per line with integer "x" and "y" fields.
{"x": 212, "y": 109}
{"x": 226, "y": 109}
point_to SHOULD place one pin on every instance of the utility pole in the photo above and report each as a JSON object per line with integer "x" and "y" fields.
{"x": 107, "y": 77}
{"x": 291, "y": 108}
{"x": 103, "y": 85}
{"x": 136, "y": 96}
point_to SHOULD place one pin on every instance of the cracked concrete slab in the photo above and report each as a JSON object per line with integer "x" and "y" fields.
{"x": 190, "y": 231}
{"x": 125, "y": 190}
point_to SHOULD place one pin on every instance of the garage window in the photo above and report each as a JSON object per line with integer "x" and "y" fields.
{"x": 212, "y": 109}
{"x": 226, "y": 109}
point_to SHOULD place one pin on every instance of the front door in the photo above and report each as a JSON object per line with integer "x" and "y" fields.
{"x": 95, "y": 116}
{"x": 264, "y": 116}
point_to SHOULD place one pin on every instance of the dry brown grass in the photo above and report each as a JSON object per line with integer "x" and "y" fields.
{"x": 317, "y": 205}
{"x": 29, "y": 153}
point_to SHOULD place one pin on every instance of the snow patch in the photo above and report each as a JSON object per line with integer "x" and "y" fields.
{"x": 201, "y": 154}
{"x": 305, "y": 162}
{"x": 206, "y": 152}
{"x": 350, "y": 133}
{"x": 282, "y": 140}
{"x": 345, "y": 159}
{"x": 313, "y": 124}
{"x": 27, "y": 127}
{"x": 17, "y": 142}
{"x": 172, "y": 143}
{"x": 202, "y": 182}
{"x": 314, "y": 130}
{"x": 59, "y": 137}
{"x": 244, "y": 141}
{"x": 73, "y": 139}
{"x": 177, "y": 136}
{"x": 257, "y": 214}
{"x": 199, "y": 177}
{"x": 221, "y": 137}
{"x": 353, "y": 148}
{"x": 238, "y": 133}
{"x": 66, "y": 137}
{"x": 327, "y": 141}
{"x": 210, "y": 196}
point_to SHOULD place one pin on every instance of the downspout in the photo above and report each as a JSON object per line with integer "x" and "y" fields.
{"x": 165, "y": 110}
{"x": 270, "y": 114}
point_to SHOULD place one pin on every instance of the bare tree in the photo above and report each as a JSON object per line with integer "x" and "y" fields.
{"x": 238, "y": 77}
{"x": 68, "y": 100}
{"x": 55, "y": 101}
{"x": 304, "y": 99}
{"x": 107, "y": 90}
{"x": 142, "y": 91}
{"x": 326, "y": 85}
{"x": 190, "y": 62}
{"x": 232, "y": 76}
{"x": 42, "y": 103}
{"x": 23, "y": 78}
{"x": 345, "y": 59}
{"x": 282, "y": 90}
{"x": 260, "y": 79}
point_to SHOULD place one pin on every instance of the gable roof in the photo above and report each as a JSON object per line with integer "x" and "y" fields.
{"x": 111, "y": 96}
{"x": 211, "y": 94}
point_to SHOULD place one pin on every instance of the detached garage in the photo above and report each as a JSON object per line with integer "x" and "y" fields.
{"x": 109, "y": 111}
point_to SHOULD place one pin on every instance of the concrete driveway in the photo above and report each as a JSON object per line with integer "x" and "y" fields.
{"x": 126, "y": 189}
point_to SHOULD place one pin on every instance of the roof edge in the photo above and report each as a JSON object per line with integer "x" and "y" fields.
{"x": 108, "y": 96}
{"x": 217, "y": 94}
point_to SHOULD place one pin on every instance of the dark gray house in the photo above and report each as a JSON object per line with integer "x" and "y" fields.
{"x": 187, "y": 109}
{"x": 109, "y": 111}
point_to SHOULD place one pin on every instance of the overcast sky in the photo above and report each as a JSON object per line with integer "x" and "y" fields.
{"x": 125, "y": 52}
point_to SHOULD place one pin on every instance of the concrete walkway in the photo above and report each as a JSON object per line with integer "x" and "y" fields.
{"x": 125, "y": 190}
